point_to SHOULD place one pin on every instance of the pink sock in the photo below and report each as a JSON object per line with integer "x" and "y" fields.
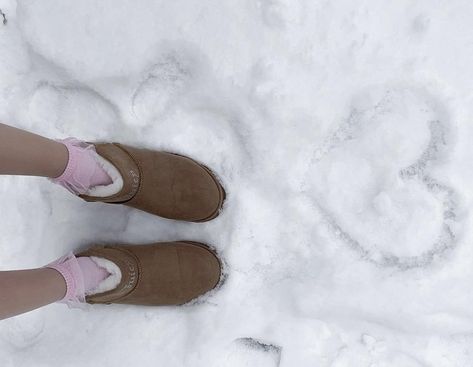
{"x": 92, "y": 273}
{"x": 82, "y": 172}
{"x": 82, "y": 275}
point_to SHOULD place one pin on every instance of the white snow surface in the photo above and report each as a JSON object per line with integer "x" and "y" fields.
{"x": 342, "y": 131}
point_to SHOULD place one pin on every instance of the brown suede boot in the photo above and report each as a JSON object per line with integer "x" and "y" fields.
{"x": 165, "y": 184}
{"x": 167, "y": 273}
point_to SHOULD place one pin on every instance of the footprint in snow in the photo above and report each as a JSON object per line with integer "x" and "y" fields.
{"x": 250, "y": 352}
{"x": 73, "y": 110}
{"x": 161, "y": 85}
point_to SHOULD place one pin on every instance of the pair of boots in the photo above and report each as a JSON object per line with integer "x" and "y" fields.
{"x": 165, "y": 184}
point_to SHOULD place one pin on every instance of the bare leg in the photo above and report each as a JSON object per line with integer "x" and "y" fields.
{"x": 25, "y": 290}
{"x": 24, "y": 153}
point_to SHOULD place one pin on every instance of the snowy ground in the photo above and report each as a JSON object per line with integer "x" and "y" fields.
{"x": 342, "y": 132}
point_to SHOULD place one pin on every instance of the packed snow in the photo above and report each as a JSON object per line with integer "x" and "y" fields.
{"x": 342, "y": 133}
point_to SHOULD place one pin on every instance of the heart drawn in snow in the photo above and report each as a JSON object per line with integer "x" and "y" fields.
{"x": 373, "y": 179}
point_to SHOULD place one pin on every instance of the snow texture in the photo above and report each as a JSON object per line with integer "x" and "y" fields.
{"x": 342, "y": 133}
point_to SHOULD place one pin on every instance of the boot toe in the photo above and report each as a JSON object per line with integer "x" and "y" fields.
{"x": 208, "y": 199}
{"x": 200, "y": 270}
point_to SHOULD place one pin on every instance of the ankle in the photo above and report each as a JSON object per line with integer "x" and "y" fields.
{"x": 59, "y": 159}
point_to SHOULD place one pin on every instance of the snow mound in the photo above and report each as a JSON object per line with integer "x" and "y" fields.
{"x": 342, "y": 133}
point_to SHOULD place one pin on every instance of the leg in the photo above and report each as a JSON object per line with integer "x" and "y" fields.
{"x": 24, "y": 153}
{"x": 25, "y": 290}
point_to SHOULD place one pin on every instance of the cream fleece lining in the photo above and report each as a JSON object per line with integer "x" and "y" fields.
{"x": 112, "y": 281}
{"x": 114, "y": 187}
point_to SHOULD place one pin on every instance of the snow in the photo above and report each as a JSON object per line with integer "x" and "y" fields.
{"x": 342, "y": 133}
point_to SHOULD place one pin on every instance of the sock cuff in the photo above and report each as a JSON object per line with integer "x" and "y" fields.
{"x": 66, "y": 179}
{"x": 70, "y": 270}
{"x": 87, "y": 172}
{"x": 71, "y": 161}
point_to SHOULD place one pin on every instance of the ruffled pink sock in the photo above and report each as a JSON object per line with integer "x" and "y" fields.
{"x": 83, "y": 171}
{"x": 82, "y": 275}
{"x": 92, "y": 273}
